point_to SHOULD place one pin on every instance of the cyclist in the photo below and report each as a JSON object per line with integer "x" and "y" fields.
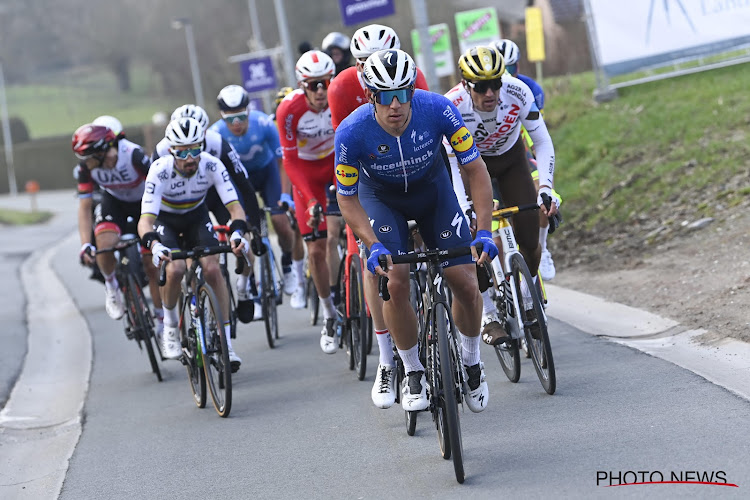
{"x": 119, "y": 167}
{"x": 347, "y": 93}
{"x": 215, "y": 145}
{"x": 174, "y": 215}
{"x": 494, "y": 106}
{"x": 253, "y": 135}
{"x": 304, "y": 122}
{"x": 336, "y": 45}
{"x": 389, "y": 170}
{"x": 511, "y": 54}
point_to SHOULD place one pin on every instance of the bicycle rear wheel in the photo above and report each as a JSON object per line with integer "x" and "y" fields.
{"x": 216, "y": 359}
{"x": 268, "y": 299}
{"x": 357, "y": 317}
{"x": 192, "y": 356}
{"x": 313, "y": 301}
{"x": 449, "y": 360}
{"x": 510, "y": 359}
{"x": 535, "y": 326}
{"x": 144, "y": 322}
{"x": 232, "y": 300}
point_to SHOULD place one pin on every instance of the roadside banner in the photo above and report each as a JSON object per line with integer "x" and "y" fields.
{"x": 256, "y": 104}
{"x": 640, "y": 34}
{"x": 534, "y": 35}
{"x": 477, "y": 27}
{"x": 359, "y": 11}
{"x": 258, "y": 74}
{"x": 440, "y": 37}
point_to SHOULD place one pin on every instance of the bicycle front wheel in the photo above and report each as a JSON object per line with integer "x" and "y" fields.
{"x": 357, "y": 317}
{"x": 534, "y": 325}
{"x": 216, "y": 358}
{"x": 268, "y": 300}
{"x": 232, "y": 300}
{"x": 144, "y": 322}
{"x": 313, "y": 301}
{"x": 192, "y": 356}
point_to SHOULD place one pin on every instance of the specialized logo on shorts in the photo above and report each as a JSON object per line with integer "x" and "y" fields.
{"x": 383, "y": 148}
{"x": 346, "y": 175}
{"x": 446, "y": 234}
{"x": 461, "y": 140}
{"x": 385, "y": 229}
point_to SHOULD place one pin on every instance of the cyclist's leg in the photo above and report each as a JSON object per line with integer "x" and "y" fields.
{"x": 334, "y": 224}
{"x": 109, "y": 222}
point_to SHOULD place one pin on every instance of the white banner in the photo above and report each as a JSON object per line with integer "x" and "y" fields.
{"x": 640, "y": 33}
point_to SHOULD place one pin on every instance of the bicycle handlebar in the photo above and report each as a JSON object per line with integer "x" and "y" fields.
{"x": 195, "y": 253}
{"x": 123, "y": 243}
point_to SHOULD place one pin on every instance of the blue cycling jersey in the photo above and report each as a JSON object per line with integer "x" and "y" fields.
{"x": 258, "y": 146}
{"x": 536, "y": 89}
{"x": 363, "y": 146}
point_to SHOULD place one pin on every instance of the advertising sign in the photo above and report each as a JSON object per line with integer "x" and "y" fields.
{"x": 440, "y": 37}
{"x": 258, "y": 74}
{"x": 477, "y": 27}
{"x": 534, "y": 35}
{"x": 359, "y": 11}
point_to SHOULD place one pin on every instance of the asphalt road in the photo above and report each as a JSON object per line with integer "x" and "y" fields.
{"x": 302, "y": 426}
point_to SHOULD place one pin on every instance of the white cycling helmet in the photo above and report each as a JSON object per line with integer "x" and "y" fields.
{"x": 372, "y": 38}
{"x": 335, "y": 39}
{"x": 110, "y": 122}
{"x": 314, "y": 64}
{"x": 191, "y": 111}
{"x": 184, "y": 131}
{"x": 509, "y": 50}
{"x": 232, "y": 97}
{"x": 389, "y": 70}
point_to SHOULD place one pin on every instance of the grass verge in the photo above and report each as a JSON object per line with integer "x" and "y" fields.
{"x": 22, "y": 218}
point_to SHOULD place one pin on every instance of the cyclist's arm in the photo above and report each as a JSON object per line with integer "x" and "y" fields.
{"x": 356, "y": 218}
{"x": 152, "y": 192}
{"x": 543, "y": 147}
{"x": 141, "y": 161}
{"x": 85, "y": 222}
{"x": 292, "y": 165}
{"x": 480, "y": 186}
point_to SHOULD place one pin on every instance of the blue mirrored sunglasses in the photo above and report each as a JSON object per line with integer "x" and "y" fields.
{"x": 512, "y": 69}
{"x": 232, "y": 118}
{"x": 386, "y": 96}
{"x": 183, "y": 154}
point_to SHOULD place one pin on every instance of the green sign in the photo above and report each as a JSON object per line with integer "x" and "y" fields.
{"x": 477, "y": 27}
{"x": 440, "y": 37}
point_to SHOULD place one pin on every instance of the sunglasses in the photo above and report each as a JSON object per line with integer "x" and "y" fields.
{"x": 386, "y": 96}
{"x": 314, "y": 85}
{"x": 184, "y": 154}
{"x": 232, "y": 118}
{"x": 98, "y": 156}
{"x": 482, "y": 85}
{"x": 512, "y": 69}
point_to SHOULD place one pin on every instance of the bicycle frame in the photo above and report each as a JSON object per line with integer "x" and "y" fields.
{"x": 504, "y": 278}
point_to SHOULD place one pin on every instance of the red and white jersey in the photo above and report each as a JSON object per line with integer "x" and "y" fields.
{"x": 304, "y": 134}
{"x": 347, "y": 93}
{"x": 124, "y": 181}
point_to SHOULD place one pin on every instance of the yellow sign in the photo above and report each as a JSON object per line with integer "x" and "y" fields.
{"x": 461, "y": 140}
{"x": 346, "y": 175}
{"x": 534, "y": 35}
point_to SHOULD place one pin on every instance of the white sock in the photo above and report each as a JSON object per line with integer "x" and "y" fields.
{"x": 488, "y": 305}
{"x": 329, "y": 311}
{"x": 159, "y": 313}
{"x": 543, "y": 237}
{"x": 299, "y": 269}
{"x": 470, "y": 348}
{"x": 171, "y": 316}
{"x": 228, "y": 335}
{"x": 242, "y": 282}
{"x": 386, "y": 349}
{"x": 410, "y": 358}
{"x": 110, "y": 281}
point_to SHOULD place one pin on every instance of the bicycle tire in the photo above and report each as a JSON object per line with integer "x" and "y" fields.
{"x": 144, "y": 322}
{"x": 268, "y": 299}
{"x": 232, "y": 300}
{"x": 448, "y": 360}
{"x": 358, "y": 317}
{"x": 216, "y": 359}
{"x": 370, "y": 332}
{"x": 510, "y": 359}
{"x": 539, "y": 349}
{"x": 313, "y": 301}
{"x": 192, "y": 356}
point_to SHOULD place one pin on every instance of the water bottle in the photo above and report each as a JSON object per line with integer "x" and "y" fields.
{"x": 194, "y": 315}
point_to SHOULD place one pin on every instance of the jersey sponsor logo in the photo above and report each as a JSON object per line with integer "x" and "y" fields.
{"x": 162, "y": 176}
{"x": 422, "y": 146}
{"x": 383, "y": 148}
{"x": 456, "y": 223}
{"x": 446, "y": 234}
{"x": 400, "y": 164}
{"x": 150, "y": 187}
{"x": 347, "y": 175}
{"x": 461, "y": 140}
{"x": 385, "y": 228}
{"x": 346, "y": 192}
{"x": 342, "y": 153}
{"x": 517, "y": 92}
{"x": 288, "y": 132}
{"x": 448, "y": 113}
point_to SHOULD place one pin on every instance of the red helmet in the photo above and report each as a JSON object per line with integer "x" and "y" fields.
{"x": 91, "y": 139}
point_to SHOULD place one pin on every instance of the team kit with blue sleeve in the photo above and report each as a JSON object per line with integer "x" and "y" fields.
{"x": 258, "y": 149}
{"x": 405, "y": 178}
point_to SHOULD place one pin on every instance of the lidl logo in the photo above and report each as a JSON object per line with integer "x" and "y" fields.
{"x": 346, "y": 175}
{"x": 461, "y": 140}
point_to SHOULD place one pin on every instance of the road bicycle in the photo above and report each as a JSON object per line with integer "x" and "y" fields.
{"x": 520, "y": 306}
{"x": 139, "y": 322}
{"x": 222, "y": 235}
{"x": 205, "y": 352}
{"x": 271, "y": 282}
{"x": 442, "y": 353}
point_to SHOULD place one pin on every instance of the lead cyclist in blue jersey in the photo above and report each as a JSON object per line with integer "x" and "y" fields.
{"x": 389, "y": 170}
{"x": 255, "y": 138}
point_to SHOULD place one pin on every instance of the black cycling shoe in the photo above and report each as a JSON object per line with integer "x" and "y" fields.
{"x": 245, "y": 310}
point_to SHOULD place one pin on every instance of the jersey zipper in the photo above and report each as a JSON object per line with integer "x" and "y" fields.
{"x": 403, "y": 164}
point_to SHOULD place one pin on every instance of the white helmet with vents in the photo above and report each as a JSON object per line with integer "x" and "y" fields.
{"x": 184, "y": 131}
{"x": 509, "y": 51}
{"x": 191, "y": 111}
{"x": 389, "y": 70}
{"x": 372, "y": 38}
{"x": 110, "y": 122}
{"x": 314, "y": 64}
{"x": 335, "y": 39}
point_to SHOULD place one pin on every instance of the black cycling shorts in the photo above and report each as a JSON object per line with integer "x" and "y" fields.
{"x": 186, "y": 231}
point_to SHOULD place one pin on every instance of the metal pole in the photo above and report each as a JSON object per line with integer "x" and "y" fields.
{"x": 285, "y": 42}
{"x": 422, "y": 24}
{"x": 194, "y": 64}
{"x": 7, "y": 142}
{"x": 258, "y": 37}
{"x": 603, "y": 91}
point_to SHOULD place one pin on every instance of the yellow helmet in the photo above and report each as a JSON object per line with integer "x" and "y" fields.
{"x": 481, "y": 63}
{"x": 281, "y": 94}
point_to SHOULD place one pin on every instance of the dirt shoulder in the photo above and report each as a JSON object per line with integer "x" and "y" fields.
{"x": 696, "y": 272}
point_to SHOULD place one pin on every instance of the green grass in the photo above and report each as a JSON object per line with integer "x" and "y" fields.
{"x": 59, "y": 103}
{"x": 21, "y": 218}
{"x": 660, "y": 141}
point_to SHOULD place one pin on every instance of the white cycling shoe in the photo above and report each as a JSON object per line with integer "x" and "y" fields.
{"x": 328, "y": 341}
{"x": 290, "y": 282}
{"x": 170, "y": 342}
{"x": 113, "y": 303}
{"x": 234, "y": 360}
{"x": 547, "y": 266}
{"x": 414, "y": 392}
{"x": 476, "y": 398}
{"x": 384, "y": 389}
{"x": 298, "y": 298}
